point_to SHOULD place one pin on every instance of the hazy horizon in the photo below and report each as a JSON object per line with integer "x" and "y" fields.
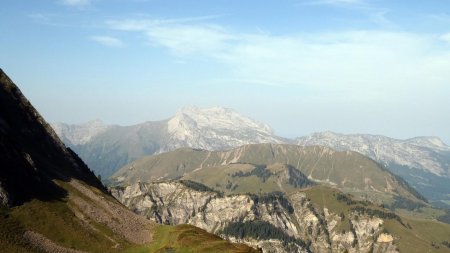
{"x": 300, "y": 66}
{"x": 249, "y": 116}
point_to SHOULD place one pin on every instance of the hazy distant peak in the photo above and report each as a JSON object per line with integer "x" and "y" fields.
{"x": 429, "y": 141}
{"x": 215, "y": 128}
{"x": 216, "y": 118}
{"x": 422, "y": 141}
{"x": 414, "y": 153}
{"x": 325, "y": 134}
{"x": 95, "y": 122}
{"x": 194, "y": 109}
{"x": 79, "y": 133}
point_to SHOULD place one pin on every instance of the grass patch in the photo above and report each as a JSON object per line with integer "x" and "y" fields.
{"x": 11, "y": 232}
{"x": 326, "y": 197}
{"x": 188, "y": 239}
{"x": 58, "y": 223}
{"x": 424, "y": 235}
{"x": 242, "y": 178}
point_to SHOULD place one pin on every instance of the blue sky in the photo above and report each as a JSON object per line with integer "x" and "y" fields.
{"x": 302, "y": 66}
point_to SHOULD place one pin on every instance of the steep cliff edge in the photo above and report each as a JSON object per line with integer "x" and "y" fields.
{"x": 316, "y": 219}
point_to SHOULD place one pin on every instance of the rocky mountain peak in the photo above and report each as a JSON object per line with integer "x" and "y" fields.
{"x": 216, "y": 118}
{"x": 415, "y": 153}
{"x": 432, "y": 142}
{"x": 215, "y": 128}
{"x": 77, "y": 134}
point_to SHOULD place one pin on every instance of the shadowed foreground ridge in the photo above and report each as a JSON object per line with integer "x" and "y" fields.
{"x": 31, "y": 155}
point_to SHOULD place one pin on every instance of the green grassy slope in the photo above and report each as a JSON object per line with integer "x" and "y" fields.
{"x": 348, "y": 171}
{"x": 249, "y": 178}
{"x": 56, "y": 222}
{"x": 189, "y": 239}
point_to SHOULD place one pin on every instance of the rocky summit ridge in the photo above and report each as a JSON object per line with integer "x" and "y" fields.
{"x": 418, "y": 152}
{"x": 215, "y": 128}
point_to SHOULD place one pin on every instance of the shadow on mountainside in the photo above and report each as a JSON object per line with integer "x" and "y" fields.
{"x": 31, "y": 155}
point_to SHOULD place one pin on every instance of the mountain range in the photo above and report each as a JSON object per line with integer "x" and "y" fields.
{"x": 51, "y": 202}
{"x": 258, "y": 197}
{"x": 283, "y": 198}
{"x": 422, "y": 161}
{"x": 107, "y": 148}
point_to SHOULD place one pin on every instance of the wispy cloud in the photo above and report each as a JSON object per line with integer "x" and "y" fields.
{"x": 441, "y": 17}
{"x": 76, "y": 3}
{"x": 55, "y": 19}
{"x": 181, "y": 36}
{"x": 445, "y": 37}
{"x": 144, "y": 24}
{"x": 380, "y": 17}
{"x": 362, "y": 64}
{"x": 347, "y": 3}
{"x": 355, "y": 63}
{"x": 192, "y": 39}
{"x": 374, "y": 13}
{"x": 107, "y": 41}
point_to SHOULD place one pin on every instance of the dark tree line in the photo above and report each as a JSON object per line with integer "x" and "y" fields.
{"x": 346, "y": 199}
{"x": 378, "y": 213}
{"x": 273, "y": 198}
{"x": 260, "y": 171}
{"x": 199, "y": 187}
{"x": 403, "y": 203}
{"x": 262, "y": 230}
{"x": 298, "y": 179}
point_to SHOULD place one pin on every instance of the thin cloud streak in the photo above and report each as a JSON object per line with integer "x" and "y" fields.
{"x": 144, "y": 24}
{"x": 76, "y": 3}
{"x": 346, "y": 3}
{"x": 107, "y": 41}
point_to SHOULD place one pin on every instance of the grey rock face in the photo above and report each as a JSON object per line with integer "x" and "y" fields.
{"x": 420, "y": 152}
{"x": 174, "y": 203}
{"x": 79, "y": 134}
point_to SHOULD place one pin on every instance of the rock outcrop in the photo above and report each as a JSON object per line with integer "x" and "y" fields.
{"x": 296, "y": 224}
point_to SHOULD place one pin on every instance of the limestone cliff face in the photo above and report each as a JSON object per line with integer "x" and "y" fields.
{"x": 305, "y": 227}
